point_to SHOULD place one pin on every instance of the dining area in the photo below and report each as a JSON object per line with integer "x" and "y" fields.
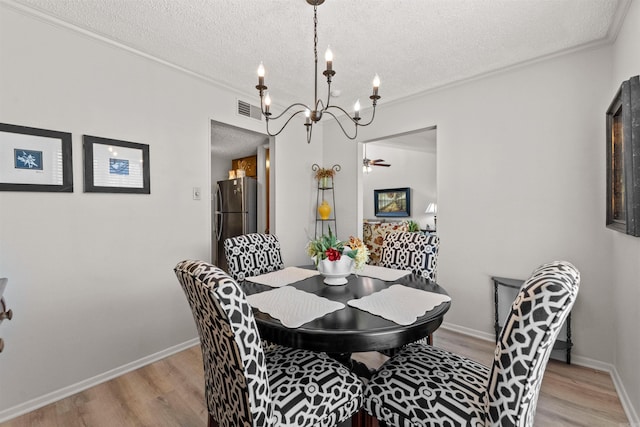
{"x": 368, "y": 313}
{"x": 281, "y": 344}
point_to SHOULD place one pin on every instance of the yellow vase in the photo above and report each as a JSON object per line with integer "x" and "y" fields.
{"x": 324, "y": 210}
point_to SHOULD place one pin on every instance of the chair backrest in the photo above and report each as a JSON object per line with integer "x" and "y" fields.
{"x": 252, "y": 254}
{"x": 413, "y": 251}
{"x": 236, "y": 384}
{"x": 526, "y": 341}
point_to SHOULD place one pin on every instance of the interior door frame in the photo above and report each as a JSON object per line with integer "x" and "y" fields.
{"x": 360, "y": 175}
{"x": 267, "y": 205}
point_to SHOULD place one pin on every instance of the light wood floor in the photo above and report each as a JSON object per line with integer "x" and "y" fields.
{"x": 169, "y": 393}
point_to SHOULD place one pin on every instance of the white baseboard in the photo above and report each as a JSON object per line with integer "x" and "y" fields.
{"x": 627, "y": 405}
{"x": 468, "y": 331}
{"x": 54, "y": 396}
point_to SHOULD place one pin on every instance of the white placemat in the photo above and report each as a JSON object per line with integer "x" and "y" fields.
{"x": 283, "y": 277}
{"x": 399, "y": 303}
{"x": 292, "y": 306}
{"x": 382, "y": 273}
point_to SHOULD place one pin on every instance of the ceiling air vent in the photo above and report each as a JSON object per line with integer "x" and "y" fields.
{"x": 248, "y": 110}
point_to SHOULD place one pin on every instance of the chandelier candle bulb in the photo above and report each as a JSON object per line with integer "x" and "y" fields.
{"x": 267, "y": 103}
{"x": 356, "y": 110}
{"x": 307, "y": 114}
{"x": 261, "y": 75}
{"x": 376, "y": 85}
{"x": 328, "y": 56}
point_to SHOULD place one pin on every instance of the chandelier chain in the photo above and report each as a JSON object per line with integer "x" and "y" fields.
{"x": 315, "y": 33}
{"x": 315, "y": 57}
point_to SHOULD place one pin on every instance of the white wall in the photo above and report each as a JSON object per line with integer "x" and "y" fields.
{"x": 520, "y": 182}
{"x": 296, "y": 192}
{"x": 409, "y": 168}
{"x": 625, "y": 279}
{"x": 90, "y": 275}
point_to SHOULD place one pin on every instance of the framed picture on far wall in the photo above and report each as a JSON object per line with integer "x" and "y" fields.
{"x": 113, "y": 166}
{"x": 33, "y": 159}
{"x": 392, "y": 202}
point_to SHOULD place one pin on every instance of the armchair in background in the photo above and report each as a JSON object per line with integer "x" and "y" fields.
{"x": 373, "y": 235}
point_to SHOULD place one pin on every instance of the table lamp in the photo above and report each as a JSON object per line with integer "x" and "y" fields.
{"x": 432, "y": 208}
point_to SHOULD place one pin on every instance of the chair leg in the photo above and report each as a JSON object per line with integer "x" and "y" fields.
{"x": 212, "y": 422}
{"x": 430, "y": 339}
{"x": 362, "y": 419}
{"x": 357, "y": 419}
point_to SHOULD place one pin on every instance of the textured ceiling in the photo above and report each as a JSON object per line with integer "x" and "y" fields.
{"x": 414, "y": 45}
{"x": 233, "y": 142}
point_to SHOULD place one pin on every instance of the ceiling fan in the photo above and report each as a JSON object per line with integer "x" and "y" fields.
{"x": 367, "y": 163}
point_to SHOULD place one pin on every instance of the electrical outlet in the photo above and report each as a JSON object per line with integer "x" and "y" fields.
{"x": 196, "y": 193}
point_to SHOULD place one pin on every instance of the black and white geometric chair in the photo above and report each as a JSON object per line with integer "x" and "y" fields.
{"x": 252, "y": 254}
{"x": 246, "y": 386}
{"x": 432, "y": 387}
{"x": 411, "y": 251}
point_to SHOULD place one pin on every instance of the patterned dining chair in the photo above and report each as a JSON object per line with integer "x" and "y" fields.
{"x": 248, "y": 386}
{"x": 433, "y": 387}
{"x": 413, "y": 251}
{"x": 252, "y": 254}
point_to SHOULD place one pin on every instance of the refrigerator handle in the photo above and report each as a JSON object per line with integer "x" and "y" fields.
{"x": 218, "y": 213}
{"x": 220, "y": 225}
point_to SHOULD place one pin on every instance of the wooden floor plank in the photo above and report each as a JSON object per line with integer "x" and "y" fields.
{"x": 170, "y": 393}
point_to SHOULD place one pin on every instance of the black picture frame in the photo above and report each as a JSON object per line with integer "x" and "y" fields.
{"x": 34, "y": 159}
{"x": 115, "y": 166}
{"x": 623, "y": 159}
{"x": 392, "y": 202}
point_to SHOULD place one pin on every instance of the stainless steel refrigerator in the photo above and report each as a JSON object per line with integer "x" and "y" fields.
{"x": 236, "y": 213}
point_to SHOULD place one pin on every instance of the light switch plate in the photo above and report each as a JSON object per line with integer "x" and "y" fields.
{"x": 196, "y": 193}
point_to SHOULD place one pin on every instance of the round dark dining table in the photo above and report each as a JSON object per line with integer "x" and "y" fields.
{"x": 349, "y": 330}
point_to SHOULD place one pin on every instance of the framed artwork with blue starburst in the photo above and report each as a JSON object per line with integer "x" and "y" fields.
{"x": 115, "y": 166}
{"x": 34, "y": 159}
{"x": 27, "y": 159}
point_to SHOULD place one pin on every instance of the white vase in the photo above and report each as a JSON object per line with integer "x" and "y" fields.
{"x": 336, "y": 272}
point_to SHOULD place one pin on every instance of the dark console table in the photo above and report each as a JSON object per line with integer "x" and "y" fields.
{"x": 565, "y": 344}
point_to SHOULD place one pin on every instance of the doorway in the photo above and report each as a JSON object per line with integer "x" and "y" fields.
{"x": 234, "y": 148}
{"x": 412, "y": 162}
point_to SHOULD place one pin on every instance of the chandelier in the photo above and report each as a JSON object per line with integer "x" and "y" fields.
{"x": 314, "y": 113}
